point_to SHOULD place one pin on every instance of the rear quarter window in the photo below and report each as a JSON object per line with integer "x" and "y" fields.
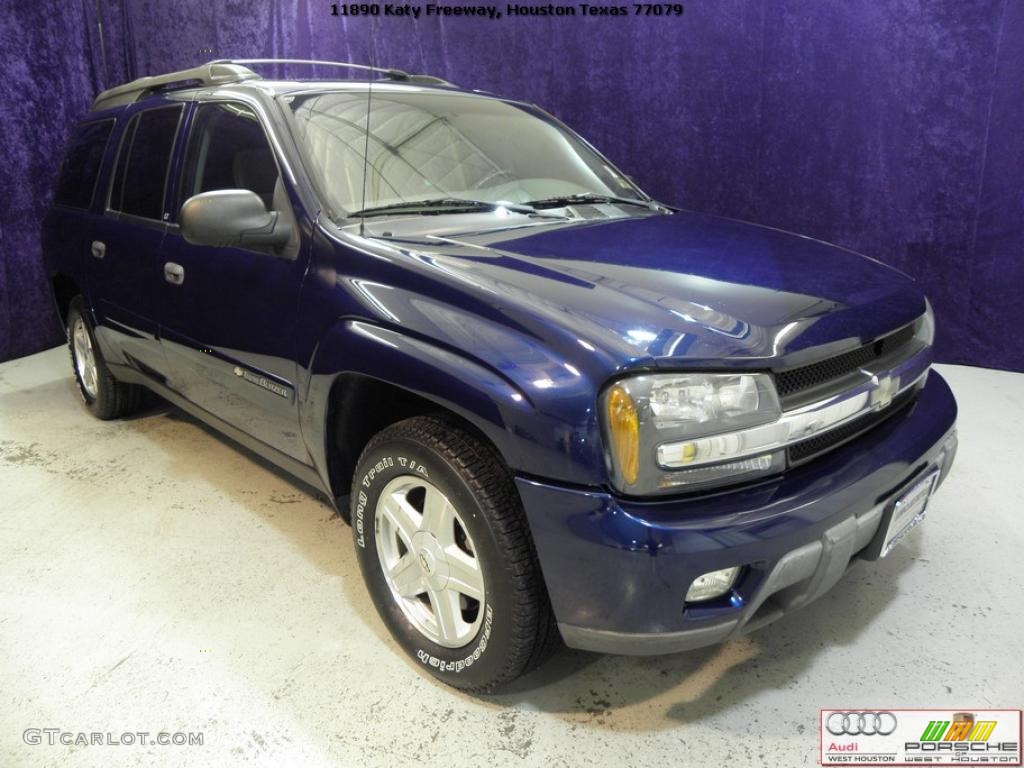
{"x": 77, "y": 181}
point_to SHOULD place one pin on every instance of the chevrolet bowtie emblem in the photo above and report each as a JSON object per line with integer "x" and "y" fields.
{"x": 885, "y": 388}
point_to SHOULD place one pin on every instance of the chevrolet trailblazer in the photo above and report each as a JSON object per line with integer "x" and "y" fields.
{"x": 552, "y": 408}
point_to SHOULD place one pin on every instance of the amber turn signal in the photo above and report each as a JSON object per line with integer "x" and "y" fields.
{"x": 624, "y": 426}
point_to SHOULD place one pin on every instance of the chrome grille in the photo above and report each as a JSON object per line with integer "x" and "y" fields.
{"x": 819, "y": 444}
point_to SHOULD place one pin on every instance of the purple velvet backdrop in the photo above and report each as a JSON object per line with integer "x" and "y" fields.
{"x": 52, "y": 67}
{"x": 893, "y": 127}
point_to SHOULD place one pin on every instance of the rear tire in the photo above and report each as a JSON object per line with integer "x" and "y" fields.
{"x": 104, "y": 396}
{"x": 446, "y": 554}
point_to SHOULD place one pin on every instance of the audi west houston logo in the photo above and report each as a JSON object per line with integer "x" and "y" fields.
{"x": 920, "y": 737}
{"x": 861, "y": 723}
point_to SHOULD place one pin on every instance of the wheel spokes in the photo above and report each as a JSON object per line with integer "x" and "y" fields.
{"x": 406, "y": 576}
{"x": 438, "y": 516}
{"x": 401, "y": 514}
{"x": 85, "y": 361}
{"x": 447, "y": 613}
{"x": 429, "y": 561}
{"x": 464, "y": 576}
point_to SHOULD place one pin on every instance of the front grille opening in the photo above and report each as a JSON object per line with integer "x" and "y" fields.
{"x": 815, "y": 446}
{"x": 796, "y": 380}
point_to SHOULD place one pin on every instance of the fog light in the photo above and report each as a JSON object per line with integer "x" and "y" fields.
{"x": 711, "y": 585}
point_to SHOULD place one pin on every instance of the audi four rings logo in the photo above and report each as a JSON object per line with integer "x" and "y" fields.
{"x": 861, "y": 723}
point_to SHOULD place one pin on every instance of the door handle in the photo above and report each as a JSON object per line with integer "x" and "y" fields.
{"x": 99, "y": 249}
{"x": 174, "y": 273}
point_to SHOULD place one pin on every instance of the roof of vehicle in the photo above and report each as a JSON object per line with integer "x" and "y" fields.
{"x": 237, "y": 72}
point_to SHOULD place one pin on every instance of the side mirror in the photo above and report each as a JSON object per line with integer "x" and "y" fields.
{"x": 233, "y": 218}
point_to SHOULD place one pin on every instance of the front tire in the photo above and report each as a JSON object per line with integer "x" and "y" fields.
{"x": 446, "y": 554}
{"x": 104, "y": 396}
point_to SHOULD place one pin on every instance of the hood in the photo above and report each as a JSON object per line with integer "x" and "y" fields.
{"x": 666, "y": 290}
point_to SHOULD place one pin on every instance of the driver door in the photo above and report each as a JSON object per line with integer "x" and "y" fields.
{"x": 229, "y": 311}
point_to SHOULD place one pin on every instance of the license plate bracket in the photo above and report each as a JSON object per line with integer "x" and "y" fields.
{"x": 903, "y": 515}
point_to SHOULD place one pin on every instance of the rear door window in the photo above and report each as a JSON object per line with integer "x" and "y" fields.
{"x": 141, "y": 174}
{"x": 81, "y": 164}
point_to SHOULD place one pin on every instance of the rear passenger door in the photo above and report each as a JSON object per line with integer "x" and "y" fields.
{"x": 69, "y": 226}
{"x": 125, "y": 272}
{"x": 228, "y": 320}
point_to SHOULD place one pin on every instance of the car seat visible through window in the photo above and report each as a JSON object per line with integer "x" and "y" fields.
{"x": 255, "y": 170}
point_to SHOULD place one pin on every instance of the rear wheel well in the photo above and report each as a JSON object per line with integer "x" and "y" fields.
{"x": 64, "y": 290}
{"x": 360, "y": 407}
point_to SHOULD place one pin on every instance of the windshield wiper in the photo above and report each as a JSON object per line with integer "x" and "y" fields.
{"x": 440, "y": 205}
{"x": 590, "y": 197}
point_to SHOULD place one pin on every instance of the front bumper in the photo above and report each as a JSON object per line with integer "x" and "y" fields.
{"x": 617, "y": 570}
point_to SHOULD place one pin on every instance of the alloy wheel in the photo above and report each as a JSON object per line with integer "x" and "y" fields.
{"x": 429, "y": 561}
{"x": 85, "y": 358}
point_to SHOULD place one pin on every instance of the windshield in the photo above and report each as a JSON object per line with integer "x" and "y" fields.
{"x": 426, "y": 145}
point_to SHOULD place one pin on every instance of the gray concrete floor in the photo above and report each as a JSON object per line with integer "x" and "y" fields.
{"x": 154, "y": 578}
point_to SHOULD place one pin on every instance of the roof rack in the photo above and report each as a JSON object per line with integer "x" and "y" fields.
{"x": 391, "y": 74}
{"x": 224, "y": 71}
{"x": 211, "y": 73}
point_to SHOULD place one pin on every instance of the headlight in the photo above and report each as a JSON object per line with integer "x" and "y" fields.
{"x": 925, "y": 330}
{"x": 657, "y": 429}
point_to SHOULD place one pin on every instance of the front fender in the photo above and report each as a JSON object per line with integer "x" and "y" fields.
{"x": 535, "y": 435}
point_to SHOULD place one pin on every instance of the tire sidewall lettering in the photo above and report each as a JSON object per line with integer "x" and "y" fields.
{"x": 458, "y": 665}
{"x": 366, "y": 484}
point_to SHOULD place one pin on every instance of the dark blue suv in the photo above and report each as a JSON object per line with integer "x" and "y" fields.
{"x": 550, "y": 406}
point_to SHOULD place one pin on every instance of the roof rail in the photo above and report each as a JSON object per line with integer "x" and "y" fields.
{"x": 391, "y": 74}
{"x": 224, "y": 71}
{"x": 211, "y": 73}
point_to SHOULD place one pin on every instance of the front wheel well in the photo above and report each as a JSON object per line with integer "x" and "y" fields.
{"x": 360, "y": 407}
